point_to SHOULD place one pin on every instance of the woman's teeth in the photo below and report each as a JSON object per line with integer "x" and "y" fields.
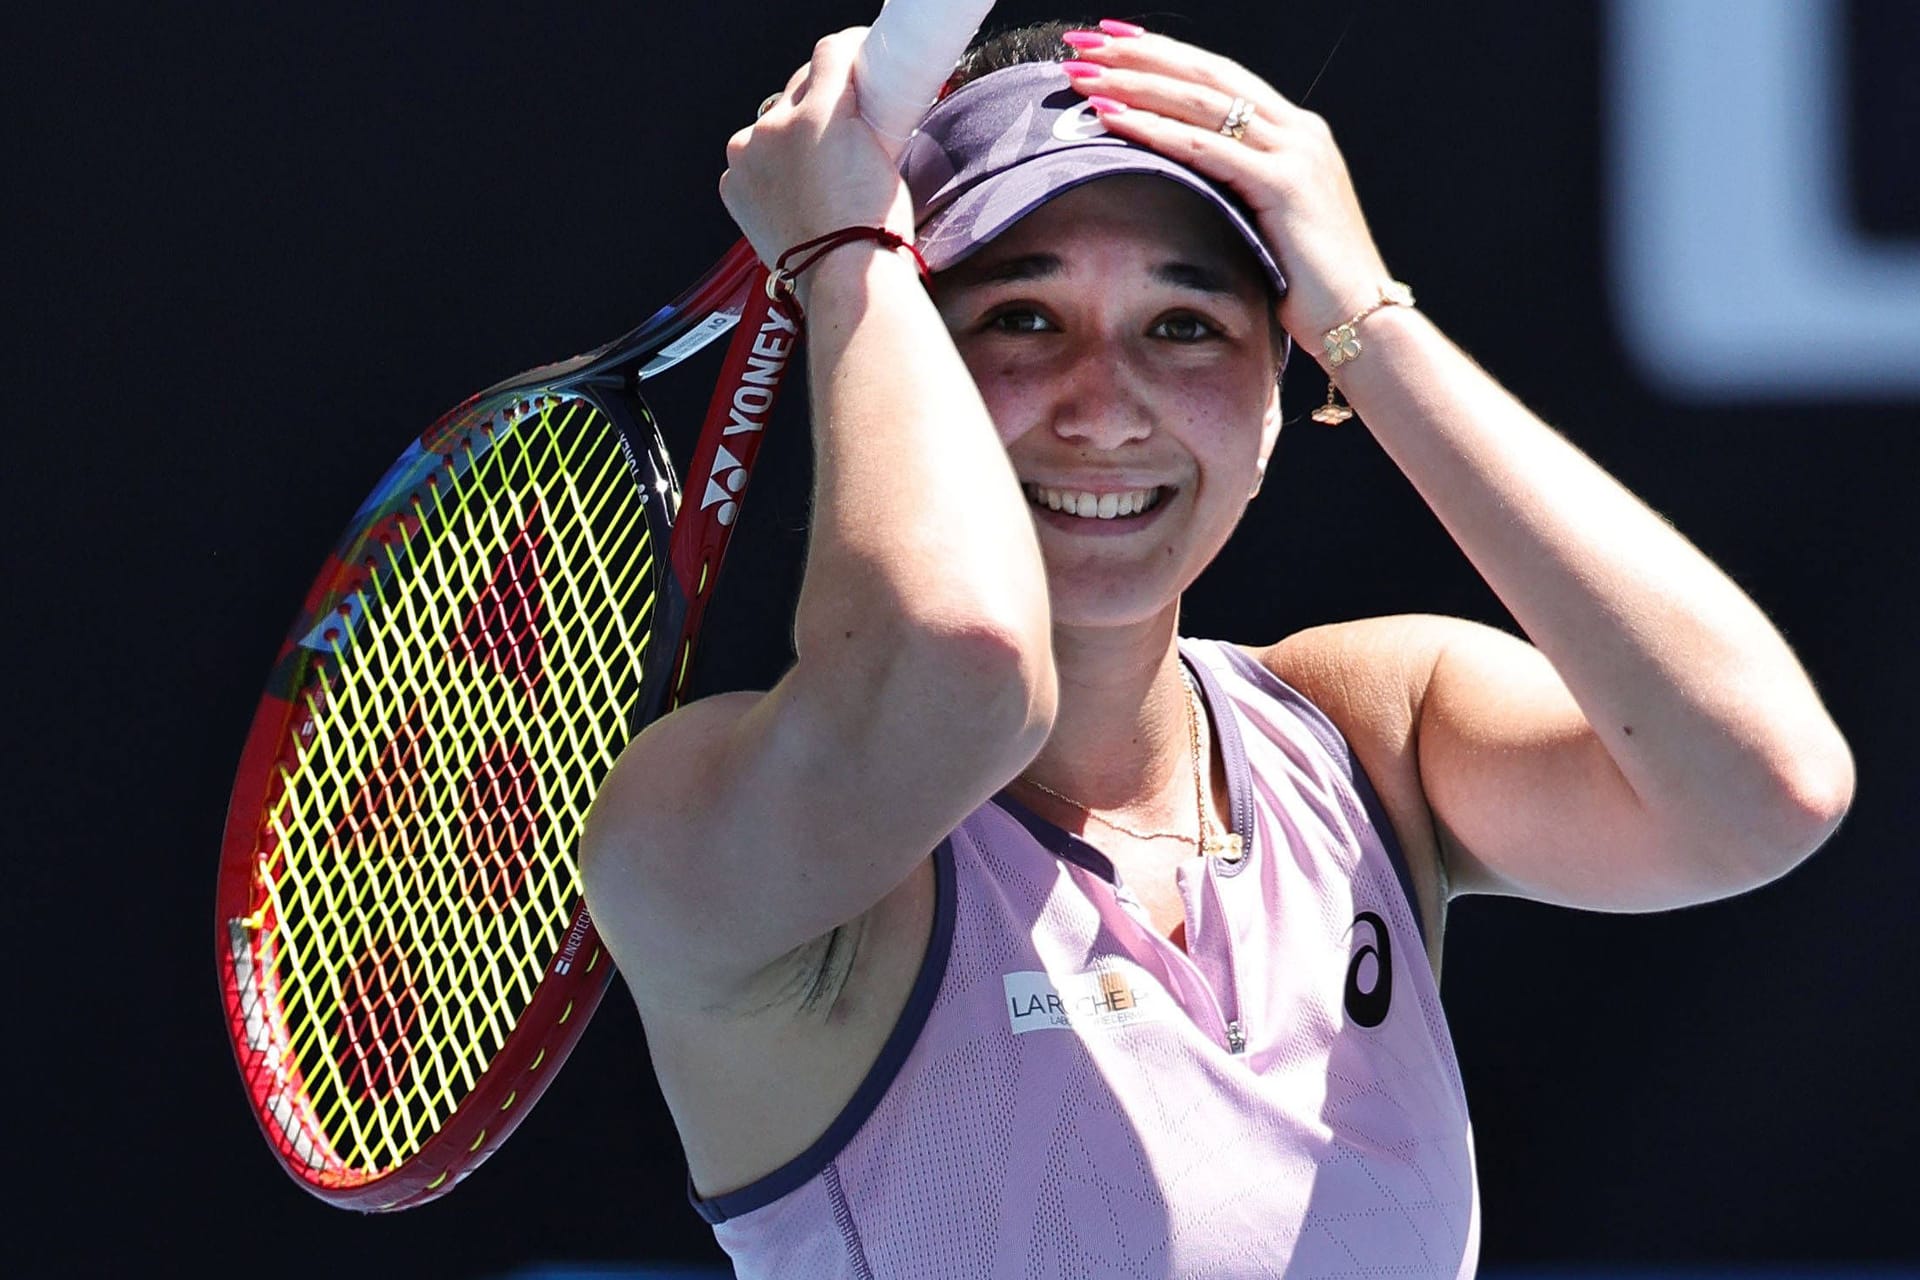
{"x": 1094, "y": 506}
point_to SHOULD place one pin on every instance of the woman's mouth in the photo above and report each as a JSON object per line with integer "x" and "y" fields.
{"x": 1118, "y": 504}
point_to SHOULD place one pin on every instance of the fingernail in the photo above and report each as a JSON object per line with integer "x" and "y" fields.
{"x": 1081, "y": 70}
{"x": 1105, "y": 106}
{"x": 1084, "y": 39}
{"x": 1115, "y": 27}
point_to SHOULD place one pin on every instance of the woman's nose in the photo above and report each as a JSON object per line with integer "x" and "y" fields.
{"x": 1097, "y": 402}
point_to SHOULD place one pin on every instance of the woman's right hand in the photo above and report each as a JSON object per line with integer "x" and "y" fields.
{"x": 810, "y": 164}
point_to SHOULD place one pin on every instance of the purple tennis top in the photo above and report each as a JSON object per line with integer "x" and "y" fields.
{"x": 1068, "y": 1093}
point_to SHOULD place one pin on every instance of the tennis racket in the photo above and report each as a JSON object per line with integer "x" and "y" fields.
{"x": 404, "y": 956}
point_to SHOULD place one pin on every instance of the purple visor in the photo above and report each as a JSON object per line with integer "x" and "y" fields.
{"x": 999, "y": 147}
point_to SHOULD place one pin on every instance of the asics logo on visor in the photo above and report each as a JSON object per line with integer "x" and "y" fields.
{"x": 1078, "y": 124}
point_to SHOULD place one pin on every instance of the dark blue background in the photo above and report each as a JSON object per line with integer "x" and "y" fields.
{"x": 255, "y": 248}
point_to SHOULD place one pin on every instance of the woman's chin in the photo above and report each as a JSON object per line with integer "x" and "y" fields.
{"x": 1085, "y": 605}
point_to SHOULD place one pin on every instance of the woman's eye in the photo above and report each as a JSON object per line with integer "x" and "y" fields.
{"x": 1185, "y": 328}
{"x": 1018, "y": 320}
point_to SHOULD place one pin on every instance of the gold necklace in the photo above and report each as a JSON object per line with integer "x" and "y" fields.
{"x": 1227, "y": 846}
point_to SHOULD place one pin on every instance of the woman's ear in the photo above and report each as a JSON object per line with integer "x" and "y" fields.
{"x": 1269, "y": 436}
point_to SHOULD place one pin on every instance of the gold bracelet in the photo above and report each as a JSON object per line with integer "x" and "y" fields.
{"x": 1342, "y": 344}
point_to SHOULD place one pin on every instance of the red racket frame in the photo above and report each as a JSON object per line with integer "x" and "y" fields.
{"x": 577, "y": 977}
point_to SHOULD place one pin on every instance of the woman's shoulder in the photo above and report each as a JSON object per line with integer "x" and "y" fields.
{"x": 1367, "y": 677}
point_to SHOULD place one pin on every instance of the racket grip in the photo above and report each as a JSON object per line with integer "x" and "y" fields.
{"x": 908, "y": 54}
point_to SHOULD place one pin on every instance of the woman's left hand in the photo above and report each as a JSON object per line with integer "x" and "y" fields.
{"x": 1175, "y": 98}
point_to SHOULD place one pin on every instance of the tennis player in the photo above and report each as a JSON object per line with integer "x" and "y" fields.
{"x": 1012, "y": 934}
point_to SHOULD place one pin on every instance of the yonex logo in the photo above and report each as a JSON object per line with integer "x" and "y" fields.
{"x": 1078, "y": 124}
{"x": 728, "y": 478}
{"x": 752, "y": 401}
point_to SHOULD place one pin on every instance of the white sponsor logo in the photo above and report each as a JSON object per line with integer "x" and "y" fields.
{"x": 752, "y": 399}
{"x": 1079, "y": 124}
{"x": 693, "y": 340}
{"x": 1741, "y": 274}
{"x": 1101, "y": 999}
{"x": 570, "y": 950}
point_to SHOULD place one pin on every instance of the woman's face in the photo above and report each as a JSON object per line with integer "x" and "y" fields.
{"x": 1120, "y": 335}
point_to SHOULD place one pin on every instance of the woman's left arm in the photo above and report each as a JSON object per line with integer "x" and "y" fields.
{"x": 1663, "y": 745}
{"x": 1669, "y": 748}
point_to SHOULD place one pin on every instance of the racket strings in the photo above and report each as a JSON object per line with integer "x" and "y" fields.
{"x": 418, "y": 866}
{"x": 505, "y": 623}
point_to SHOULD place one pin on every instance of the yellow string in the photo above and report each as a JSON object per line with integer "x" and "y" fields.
{"x": 339, "y": 893}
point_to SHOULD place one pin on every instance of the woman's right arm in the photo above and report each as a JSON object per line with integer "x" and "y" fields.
{"x": 740, "y": 828}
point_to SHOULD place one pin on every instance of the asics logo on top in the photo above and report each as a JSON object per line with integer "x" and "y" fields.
{"x": 1078, "y": 124}
{"x": 1368, "y": 1005}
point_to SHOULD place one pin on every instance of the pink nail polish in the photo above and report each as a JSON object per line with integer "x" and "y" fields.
{"x": 1105, "y": 106}
{"x": 1115, "y": 27}
{"x": 1082, "y": 70}
{"x": 1084, "y": 39}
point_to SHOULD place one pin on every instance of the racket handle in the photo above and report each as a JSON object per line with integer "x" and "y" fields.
{"x": 908, "y": 54}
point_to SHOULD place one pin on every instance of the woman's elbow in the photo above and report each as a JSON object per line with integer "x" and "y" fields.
{"x": 1005, "y": 672}
{"x": 1812, "y": 788}
{"x": 1820, "y": 786}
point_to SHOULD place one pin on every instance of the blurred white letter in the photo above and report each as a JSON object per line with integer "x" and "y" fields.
{"x": 1737, "y": 274}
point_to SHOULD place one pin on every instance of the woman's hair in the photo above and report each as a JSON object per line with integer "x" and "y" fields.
{"x": 1035, "y": 42}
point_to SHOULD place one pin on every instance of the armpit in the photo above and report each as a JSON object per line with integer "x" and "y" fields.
{"x": 807, "y": 981}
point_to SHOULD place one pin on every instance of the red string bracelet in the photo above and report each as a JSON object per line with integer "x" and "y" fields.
{"x": 780, "y": 281}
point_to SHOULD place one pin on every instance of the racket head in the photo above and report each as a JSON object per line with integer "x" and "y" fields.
{"x": 403, "y": 953}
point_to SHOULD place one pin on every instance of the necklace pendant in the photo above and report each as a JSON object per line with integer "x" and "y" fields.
{"x": 1227, "y": 848}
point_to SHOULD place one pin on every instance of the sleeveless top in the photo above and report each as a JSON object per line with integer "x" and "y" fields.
{"x": 1067, "y": 1093}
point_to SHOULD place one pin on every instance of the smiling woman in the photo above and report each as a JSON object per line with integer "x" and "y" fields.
{"x": 1012, "y": 933}
{"x": 1120, "y": 335}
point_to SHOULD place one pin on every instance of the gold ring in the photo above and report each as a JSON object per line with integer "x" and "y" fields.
{"x": 1239, "y": 116}
{"x": 766, "y": 104}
